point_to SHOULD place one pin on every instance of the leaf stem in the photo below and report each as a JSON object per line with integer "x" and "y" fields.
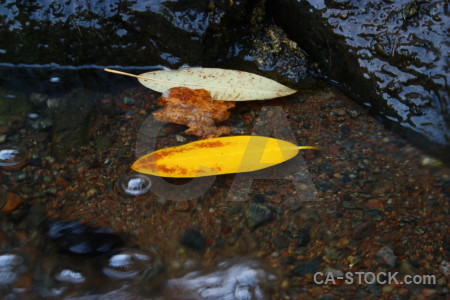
{"x": 127, "y": 74}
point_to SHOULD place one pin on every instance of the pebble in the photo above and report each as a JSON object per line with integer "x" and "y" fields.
{"x": 10, "y": 202}
{"x": 41, "y": 124}
{"x": 281, "y": 242}
{"x": 387, "y": 256}
{"x": 353, "y": 112}
{"x": 180, "y": 138}
{"x": 374, "y": 204}
{"x": 2, "y": 138}
{"x": 332, "y": 253}
{"x": 363, "y": 230}
{"x": 303, "y": 237}
{"x": 182, "y": 205}
{"x": 194, "y": 240}
{"x": 129, "y": 101}
{"x": 257, "y": 214}
{"x": 431, "y": 162}
{"x": 309, "y": 267}
{"x": 444, "y": 267}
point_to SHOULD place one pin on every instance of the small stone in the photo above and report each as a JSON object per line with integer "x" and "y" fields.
{"x": 309, "y": 267}
{"x": 129, "y": 101}
{"x": 257, "y": 214}
{"x": 431, "y": 162}
{"x": 182, "y": 205}
{"x": 2, "y": 138}
{"x": 331, "y": 253}
{"x": 353, "y": 113}
{"x": 387, "y": 256}
{"x": 339, "y": 112}
{"x": 375, "y": 204}
{"x": 194, "y": 240}
{"x": 406, "y": 267}
{"x": 363, "y": 230}
{"x": 444, "y": 267}
{"x": 350, "y": 204}
{"x": 303, "y": 237}
{"x": 281, "y": 242}
{"x": 91, "y": 192}
{"x": 41, "y": 124}
{"x": 373, "y": 213}
{"x": 387, "y": 289}
{"x": 180, "y": 138}
{"x": 10, "y": 202}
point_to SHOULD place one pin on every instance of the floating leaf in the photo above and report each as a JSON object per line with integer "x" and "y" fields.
{"x": 224, "y": 155}
{"x": 229, "y": 85}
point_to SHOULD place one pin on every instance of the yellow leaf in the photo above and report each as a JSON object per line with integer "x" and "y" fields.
{"x": 224, "y": 155}
{"x": 222, "y": 84}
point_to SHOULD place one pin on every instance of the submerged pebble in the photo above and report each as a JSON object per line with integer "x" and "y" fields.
{"x": 12, "y": 158}
{"x": 134, "y": 185}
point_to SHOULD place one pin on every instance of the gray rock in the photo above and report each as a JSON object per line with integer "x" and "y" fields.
{"x": 392, "y": 56}
{"x": 309, "y": 267}
{"x": 257, "y": 214}
{"x": 387, "y": 256}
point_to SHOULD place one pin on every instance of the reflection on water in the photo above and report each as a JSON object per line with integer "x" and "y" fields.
{"x": 232, "y": 280}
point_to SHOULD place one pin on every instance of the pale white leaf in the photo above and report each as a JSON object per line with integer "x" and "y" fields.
{"x": 223, "y": 84}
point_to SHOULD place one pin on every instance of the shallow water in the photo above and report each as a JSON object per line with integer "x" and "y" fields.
{"x": 260, "y": 235}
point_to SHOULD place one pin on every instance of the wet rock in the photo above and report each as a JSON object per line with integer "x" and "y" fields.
{"x": 309, "y": 267}
{"x": 176, "y": 31}
{"x": 389, "y": 60}
{"x": 257, "y": 214}
{"x": 77, "y": 238}
{"x": 194, "y": 240}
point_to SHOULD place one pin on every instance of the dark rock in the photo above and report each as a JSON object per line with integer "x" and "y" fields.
{"x": 77, "y": 238}
{"x": 258, "y": 198}
{"x": 303, "y": 237}
{"x": 194, "y": 240}
{"x": 309, "y": 267}
{"x": 386, "y": 57}
{"x": 257, "y": 214}
{"x": 281, "y": 241}
{"x": 229, "y": 34}
{"x": 363, "y": 230}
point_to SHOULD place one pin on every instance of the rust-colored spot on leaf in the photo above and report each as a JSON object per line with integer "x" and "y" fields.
{"x": 210, "y": 144}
